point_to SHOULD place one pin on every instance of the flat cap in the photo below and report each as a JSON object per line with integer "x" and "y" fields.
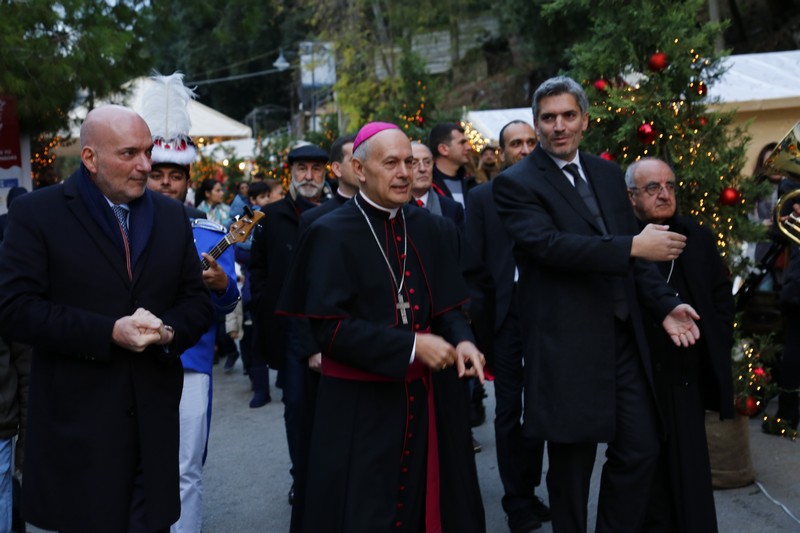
{"x": 308, "y": 152}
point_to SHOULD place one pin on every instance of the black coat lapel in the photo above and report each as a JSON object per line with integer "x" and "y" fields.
{"x": 556, "y": 178}
{"x": 105, "y": 244}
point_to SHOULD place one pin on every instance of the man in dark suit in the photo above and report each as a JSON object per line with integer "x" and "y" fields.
{"x": 587, "y": 369}
{"x": 519, "y": 460}
{"x": 688, "y": 381}
{"x": 421, "y": 187}
{"x": 278, "y": 341}
{"x": 451, "y": 151}
{"x": 307, "y": 350}
{"x": 102, "y": 278}
{"x": 273, "y": 241}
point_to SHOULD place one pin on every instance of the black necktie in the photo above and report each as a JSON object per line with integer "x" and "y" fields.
{"x": 620, "y": 303}
{"x": 586, "y": 193}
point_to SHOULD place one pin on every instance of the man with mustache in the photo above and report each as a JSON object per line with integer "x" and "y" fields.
{"x": 273, "y": 242}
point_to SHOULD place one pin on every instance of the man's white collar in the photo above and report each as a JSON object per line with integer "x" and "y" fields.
{"x": 392, "y": 212}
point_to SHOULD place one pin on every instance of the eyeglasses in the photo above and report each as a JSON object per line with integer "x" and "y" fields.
{"x": 653, "y": 189}
{"x": 426, "y": 161}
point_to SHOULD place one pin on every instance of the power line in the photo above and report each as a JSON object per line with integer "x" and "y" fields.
{"x": 242, "y": 62}
{"x": 236, "y": 77}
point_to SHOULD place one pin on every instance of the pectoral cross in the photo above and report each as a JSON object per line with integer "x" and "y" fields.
{"x": 401, "y": 306}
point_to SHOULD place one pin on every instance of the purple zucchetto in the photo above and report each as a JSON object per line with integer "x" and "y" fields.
{"x": 370, "y": 129}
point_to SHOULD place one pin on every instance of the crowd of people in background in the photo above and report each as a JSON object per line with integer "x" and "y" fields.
{"x": 382, "y": 284}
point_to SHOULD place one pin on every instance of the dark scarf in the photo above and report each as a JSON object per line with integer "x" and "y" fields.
{"x": 140, "y": 219}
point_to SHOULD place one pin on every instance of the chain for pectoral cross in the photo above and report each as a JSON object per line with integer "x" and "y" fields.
{"x": 401, "y": 305}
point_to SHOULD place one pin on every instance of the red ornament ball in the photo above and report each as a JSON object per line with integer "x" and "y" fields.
{"x": 608, "y": 156}
{"x": 702, "y": 88}
{"x": 646, "y": 133}
{"x": 747, "y": 406}
{"x": 657, "y": 62}
{"x": 601, "y": 85}
{"x": 730, "y": 196}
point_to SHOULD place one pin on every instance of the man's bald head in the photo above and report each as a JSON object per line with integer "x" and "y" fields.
{"x": 115, "y": 149}
{"x": 100, "y": 119}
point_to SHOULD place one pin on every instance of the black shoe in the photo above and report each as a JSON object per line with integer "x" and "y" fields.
{"x": 291, "y": 495}
{"x": 523, "y": 520}
{"x": 260, "y": 399}
{"x": 230, "y": 361}
{"x": 541, "y": 509}
{"x": 476, "y": 446}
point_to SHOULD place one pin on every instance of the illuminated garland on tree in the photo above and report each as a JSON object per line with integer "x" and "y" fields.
{"x": 647, "y": 94}
{"x": 43, "y": 156}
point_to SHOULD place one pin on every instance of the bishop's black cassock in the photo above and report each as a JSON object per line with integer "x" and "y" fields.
{"x": 375, "y": 462}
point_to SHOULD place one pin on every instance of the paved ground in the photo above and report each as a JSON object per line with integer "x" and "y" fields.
{"x": 247, "y": 472}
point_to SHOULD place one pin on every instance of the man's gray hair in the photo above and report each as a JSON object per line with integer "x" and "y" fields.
{"x": 630, "y": 172}
{"x": 420, "y": 143}
{"x": 556, "y": 86}
{"x": 362, "y": 151}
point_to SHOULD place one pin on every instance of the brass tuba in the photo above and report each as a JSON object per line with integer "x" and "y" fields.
{"x": 785, "y": 160}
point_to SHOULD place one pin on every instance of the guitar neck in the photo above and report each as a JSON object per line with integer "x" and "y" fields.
{"x": 216, "y": 251}
{"x": 238, "y": 232}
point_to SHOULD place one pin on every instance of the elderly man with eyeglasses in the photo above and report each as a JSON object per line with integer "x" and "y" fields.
{"x": 688, "y": 380}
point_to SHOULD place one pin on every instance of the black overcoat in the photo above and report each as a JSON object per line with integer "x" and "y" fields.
{"x": 567, "y": 269}
{"x": 95, "y": 409}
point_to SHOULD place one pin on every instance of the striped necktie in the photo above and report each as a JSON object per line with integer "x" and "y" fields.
{"x": 122, "y": 217}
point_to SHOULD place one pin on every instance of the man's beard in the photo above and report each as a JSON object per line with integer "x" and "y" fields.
{"x": 304, "y": 189}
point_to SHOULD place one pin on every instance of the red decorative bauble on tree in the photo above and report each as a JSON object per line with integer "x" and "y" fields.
{"x": 607, "y": 156}
{"x": 601, "y": 85}
{"x": 646, "y": 133}
{"x": 729, "y": 196}
{"x": 747, "y": 406}
{"x": 657, "y": 62}
{"x": 702, "y": 88}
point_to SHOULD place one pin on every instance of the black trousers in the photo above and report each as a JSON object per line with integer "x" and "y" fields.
{"x": 631, "y": 457}
{"x": 519, "y": 459}
{"x": 790, "y": 366}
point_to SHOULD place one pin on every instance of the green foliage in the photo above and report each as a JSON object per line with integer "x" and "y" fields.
{"x": 751, "y": 365}
{"x": 378, "y": 75}
{"x": 270, "y": 161}
{"x": 705, "y": 149}
{"x": 208, "y": 40}
{"x": 330, "y": 132}
{"x": 51, "y": 51}
{"x": 543, "y": 31}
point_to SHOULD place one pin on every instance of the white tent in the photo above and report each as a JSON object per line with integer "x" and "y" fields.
{"x": 207, "y": 123}
{"x": 241, "y": 148}
{"x": 763, "y": 88}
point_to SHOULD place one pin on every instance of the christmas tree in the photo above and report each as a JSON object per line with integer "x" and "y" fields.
{"x": 646, "y": 67}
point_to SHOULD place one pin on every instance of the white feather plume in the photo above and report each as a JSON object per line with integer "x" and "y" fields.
{"x": 165, "y": 109}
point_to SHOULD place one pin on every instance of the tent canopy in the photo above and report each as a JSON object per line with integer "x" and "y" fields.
{"x": 207, "y": 123}
{"x": 752, "y": 82}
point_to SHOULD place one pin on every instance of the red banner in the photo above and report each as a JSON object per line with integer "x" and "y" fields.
{"x": 9, "y": 133}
